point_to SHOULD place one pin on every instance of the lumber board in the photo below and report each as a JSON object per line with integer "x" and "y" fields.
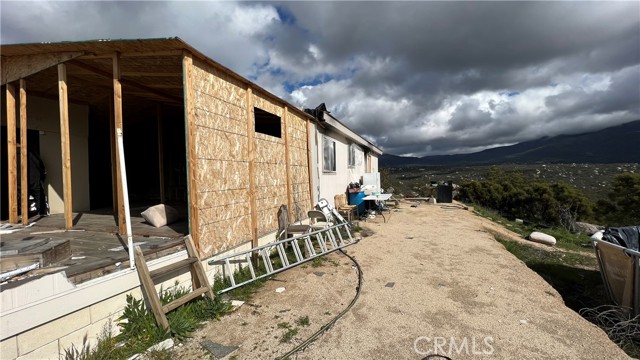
{"x": 185, "y": 299}
{"x": 24, "y": 164}
{"x": 310, "y": 163}
{"x": 192, "y": 163}
{"x": 114, "y": 164}
{"x": 198, "y": 276}
{"x": 252, "y": 164}
{"x": 149, "y": 74}
{"x": 65, "y": 145}
{"x": 287, "y": 157}
{"x": 12, "y": 171}
{"x": 158, "y": 273}
{"x": 149, "y": 289}
{"x": 118, "y": 124}
{"x": 127, "y": 54}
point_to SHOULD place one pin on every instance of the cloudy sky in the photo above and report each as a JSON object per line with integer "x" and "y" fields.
{"x": 417, "y": 78}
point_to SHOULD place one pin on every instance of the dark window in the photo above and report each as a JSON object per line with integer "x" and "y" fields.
{"x": 267, "y": 123}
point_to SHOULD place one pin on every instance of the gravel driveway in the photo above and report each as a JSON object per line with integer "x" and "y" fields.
{"x": 434, "y": 281}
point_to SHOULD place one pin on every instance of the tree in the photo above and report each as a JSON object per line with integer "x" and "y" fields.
{"x": 513, "y": 195}
{"x": 623, "y": 209}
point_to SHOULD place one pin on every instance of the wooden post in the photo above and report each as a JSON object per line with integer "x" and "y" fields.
{"x": 160, "y": 153}
{"x": 65, "y": 145}
{"x": 12, "y": 171}
{"x": 310, "y": 163}
{"x": 287, "y": 161}
{"x": 114, "y": 161}
{"x": 252, "y": 171}
{"x": 192, "y": 163}
{"x": 24, "y": 163}
{"x": 117, "y": 121}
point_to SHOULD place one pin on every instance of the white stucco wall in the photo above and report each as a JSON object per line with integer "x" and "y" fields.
{"x": 334, "y": 183}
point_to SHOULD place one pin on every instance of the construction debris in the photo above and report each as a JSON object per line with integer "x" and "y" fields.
{"x": 219, "y": 351}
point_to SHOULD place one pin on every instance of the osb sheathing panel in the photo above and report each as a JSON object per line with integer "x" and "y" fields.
{"x": 224, "y": 234}
{"x": 300, "y": 188}
{"x": 275, "y": 198}
{"x": 219, "y": 122}
{"x": 266, "y": 218}
{"x": 214, "y": 144}
{"x": 298, "y": 162}
{"x": 223, "y": 166}
{"x": 297, "y": 126}
{"x": 209, "y": 199}
{"x": 224, "y": 213}
{"x": 297, "y": 157}
{"x": 299, "y": 175}
{"x": 222, "y": 175}
{"x": 265, "y": 104}
{"x": 222, "y": 160}
{"x": 210, "y": 81}
{"x": 269, "y": 152}
{"x": 270, "y": 170}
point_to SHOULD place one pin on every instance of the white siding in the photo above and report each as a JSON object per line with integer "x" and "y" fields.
{"x": 334, "y": 183}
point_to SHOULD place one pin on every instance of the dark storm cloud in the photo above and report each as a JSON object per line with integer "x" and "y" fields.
{"x": 415, "y": 77}
{"x": 454, "y": 53}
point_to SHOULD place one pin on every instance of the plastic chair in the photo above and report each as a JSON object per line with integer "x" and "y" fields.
{"x": 318, "y": 220}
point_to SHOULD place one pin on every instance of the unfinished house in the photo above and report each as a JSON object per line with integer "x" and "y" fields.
{"x": 221, "y": 150}
{"x": 339, "y": 156}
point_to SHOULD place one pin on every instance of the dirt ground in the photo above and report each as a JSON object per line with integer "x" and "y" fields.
{"x": 435, "y": 281}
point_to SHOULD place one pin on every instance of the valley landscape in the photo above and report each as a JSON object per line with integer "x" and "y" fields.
{"x": 589, "y": 162}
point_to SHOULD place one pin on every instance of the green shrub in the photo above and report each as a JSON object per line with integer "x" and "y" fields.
{"x": 513, "y": 196}
{"x": 623, "y": 206}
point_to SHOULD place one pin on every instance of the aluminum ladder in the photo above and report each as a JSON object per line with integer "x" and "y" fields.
{"x": 315, "y": 244}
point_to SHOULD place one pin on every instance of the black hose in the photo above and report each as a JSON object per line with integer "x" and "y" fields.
{"x": 328, "y": 325}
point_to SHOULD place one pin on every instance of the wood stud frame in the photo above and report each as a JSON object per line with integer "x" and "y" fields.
{"x": 65, "y": 145}
{"x": 24, "y": 163}
{"x": 12, "y": 183}
{"x": 291, "y": 172}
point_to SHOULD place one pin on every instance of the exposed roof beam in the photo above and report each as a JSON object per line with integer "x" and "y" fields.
{"x": 134, "y": 54}
{"x": 18, "y": 67}
{"x": 127, "y": 82}
{"x": 151, "y": 74}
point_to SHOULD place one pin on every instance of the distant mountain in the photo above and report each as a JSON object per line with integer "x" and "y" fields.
{"x": 617, "y": 144}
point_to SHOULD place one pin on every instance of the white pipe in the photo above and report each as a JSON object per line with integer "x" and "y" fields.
{"x": 10, "y": 274}
{"x": 125, "y": 198}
